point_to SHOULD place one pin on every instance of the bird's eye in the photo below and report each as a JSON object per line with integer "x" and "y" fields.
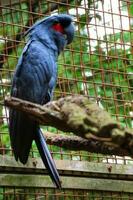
{"x": 55, "y": 22}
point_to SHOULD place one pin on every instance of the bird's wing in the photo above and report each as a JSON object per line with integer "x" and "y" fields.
{"x": 34, "y": 80}
{"x": 36, "y": 73}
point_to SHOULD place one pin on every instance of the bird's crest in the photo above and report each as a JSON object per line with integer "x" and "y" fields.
{"x": 64, "y": 19}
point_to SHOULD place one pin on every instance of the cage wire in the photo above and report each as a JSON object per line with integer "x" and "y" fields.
{"x": 99, "y": 64}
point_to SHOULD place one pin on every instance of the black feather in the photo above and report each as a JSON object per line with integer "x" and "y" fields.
{"x": 47, "y": 159}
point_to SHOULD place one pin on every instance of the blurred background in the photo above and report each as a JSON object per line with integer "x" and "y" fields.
{"x": 98, "y": 64}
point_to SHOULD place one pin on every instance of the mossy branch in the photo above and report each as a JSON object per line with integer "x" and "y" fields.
{"x": 77, "y": 143}
{"x": 84, "y": 118}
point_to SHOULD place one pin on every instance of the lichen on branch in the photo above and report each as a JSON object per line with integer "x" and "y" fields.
{"x": 83, "y": 117}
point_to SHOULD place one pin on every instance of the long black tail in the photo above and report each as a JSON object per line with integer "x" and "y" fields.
{"x": 47, "y": 158}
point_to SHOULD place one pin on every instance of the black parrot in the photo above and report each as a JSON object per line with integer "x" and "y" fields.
{"x": 34, "y": 80}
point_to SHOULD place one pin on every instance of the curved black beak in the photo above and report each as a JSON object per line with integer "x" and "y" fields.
{"x": 69, "y": 31}
{"x": 66, "y": 21}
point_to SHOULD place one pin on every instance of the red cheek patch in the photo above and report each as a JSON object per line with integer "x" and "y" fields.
{"x": 58, "y": 27}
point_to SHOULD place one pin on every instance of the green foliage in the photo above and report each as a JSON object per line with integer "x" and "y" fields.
{"x": 4, "y": 139}
{"x": 13, "y": 18}
{"x": 131, "y": 8}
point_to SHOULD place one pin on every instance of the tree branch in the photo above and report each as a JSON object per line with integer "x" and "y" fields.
{"x": 91, "y": 145}
{"x": 84, "y": 118}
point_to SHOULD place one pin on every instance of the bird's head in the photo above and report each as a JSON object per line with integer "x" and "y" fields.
{"x": 56, "y": 30}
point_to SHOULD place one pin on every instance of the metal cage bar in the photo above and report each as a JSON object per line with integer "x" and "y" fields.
{"x": 97, "y": 64}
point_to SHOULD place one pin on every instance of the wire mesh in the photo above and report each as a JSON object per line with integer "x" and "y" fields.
{"x": 98, "y": 64}
{"x": 48, "y": 194}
